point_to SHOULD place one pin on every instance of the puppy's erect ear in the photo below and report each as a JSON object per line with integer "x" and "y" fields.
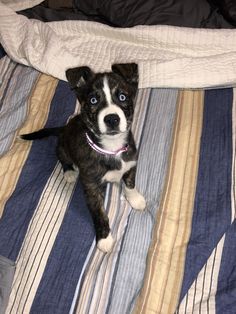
{"x": 78, "y": 77}
{"x": 129, "y": 71}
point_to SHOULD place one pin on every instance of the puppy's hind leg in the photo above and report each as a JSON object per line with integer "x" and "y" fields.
{"x": 136, "y": 200}
{"x": 70, "y": 173}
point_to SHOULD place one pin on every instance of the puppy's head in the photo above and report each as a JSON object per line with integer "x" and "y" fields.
{"x": 107, "y": 99}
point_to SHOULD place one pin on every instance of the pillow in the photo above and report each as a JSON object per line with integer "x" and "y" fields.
{"x": 58, "y": 4}
{"x": 127, "y": 13}
{"x": 228, "y": 9}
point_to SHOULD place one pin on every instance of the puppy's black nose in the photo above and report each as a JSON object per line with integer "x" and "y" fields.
{"x": 112, "y": 120}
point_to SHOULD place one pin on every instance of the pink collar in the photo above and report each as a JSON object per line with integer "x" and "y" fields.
{"x": 103, "y": 151}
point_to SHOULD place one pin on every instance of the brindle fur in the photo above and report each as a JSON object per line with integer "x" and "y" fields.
{"x": 73, "y": 149}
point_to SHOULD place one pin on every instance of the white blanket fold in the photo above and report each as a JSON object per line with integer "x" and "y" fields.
{"x": 167, "y": 56}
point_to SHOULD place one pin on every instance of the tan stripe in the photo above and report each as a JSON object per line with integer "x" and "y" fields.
{"x": 187, "y": 204}
{"x": 11, "y": 164}
{"x": 165, "y": 266}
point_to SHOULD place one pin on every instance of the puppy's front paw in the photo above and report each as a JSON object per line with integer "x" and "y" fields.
{"x": 105, "y": 245}
{"x": 70, "y": 176}
{"x": 136, "y": 200}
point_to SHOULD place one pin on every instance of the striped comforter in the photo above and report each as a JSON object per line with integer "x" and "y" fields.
{"x": 178, "y": 256}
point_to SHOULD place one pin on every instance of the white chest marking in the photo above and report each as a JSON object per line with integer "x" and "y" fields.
{"x": 116, "y": 175}
{"x": 113, "y": 142}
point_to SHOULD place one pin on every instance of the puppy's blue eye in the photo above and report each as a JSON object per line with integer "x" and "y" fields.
{"x": 93, "y": 100}
{"x": 122, "y": 97}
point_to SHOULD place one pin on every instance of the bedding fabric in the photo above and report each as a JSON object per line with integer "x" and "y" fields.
{"x": 13, "y": 99}
{"x": 175, "y": 257}
{"x": 167, "y": 56}
{"x": 7, "y": 269}
{"x": 178, "y": 256}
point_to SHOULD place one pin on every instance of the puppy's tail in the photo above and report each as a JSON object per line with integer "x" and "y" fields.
{"x": 42, "y": 133}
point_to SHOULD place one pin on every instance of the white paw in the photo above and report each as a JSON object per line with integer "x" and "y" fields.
{"x": 106, "y": 245}
{"x": 136, "y": 200}
{"x": 70, "y": 176}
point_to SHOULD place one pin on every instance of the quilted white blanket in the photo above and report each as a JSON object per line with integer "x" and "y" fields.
{"x": 167, "y": 56}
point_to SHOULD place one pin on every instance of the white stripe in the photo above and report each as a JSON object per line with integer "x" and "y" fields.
{"x": 201, "y": 295}
{"x": 107, "y": 91}
{"x": 48, "y": 188}
{"x": 40, "y": 238}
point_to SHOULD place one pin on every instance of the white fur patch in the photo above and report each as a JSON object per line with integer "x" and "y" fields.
{"x": 106, "y": 245}
{"x": 107, "y": 91}
{"x": 71, "y": 176}
{"x": 113, "y": 142}
{"x": 136, "y": 200}
{"x": 110, "y": 109}
{"x": 116, "y": 175}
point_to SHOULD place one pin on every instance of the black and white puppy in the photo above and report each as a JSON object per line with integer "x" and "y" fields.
{"x": 99, "y": 141}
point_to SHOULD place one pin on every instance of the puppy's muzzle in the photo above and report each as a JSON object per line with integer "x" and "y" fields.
{"x": 112, "y": 121}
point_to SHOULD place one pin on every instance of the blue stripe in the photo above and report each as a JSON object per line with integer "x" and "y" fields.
{"x": 226, "y": 289}
{"x": 35, "y": 173}
{"x": 212, "y": 208}
{"x": 56, "y": 290}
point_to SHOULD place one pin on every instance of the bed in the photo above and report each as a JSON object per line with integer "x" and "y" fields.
{"x": 178, "y": 256}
